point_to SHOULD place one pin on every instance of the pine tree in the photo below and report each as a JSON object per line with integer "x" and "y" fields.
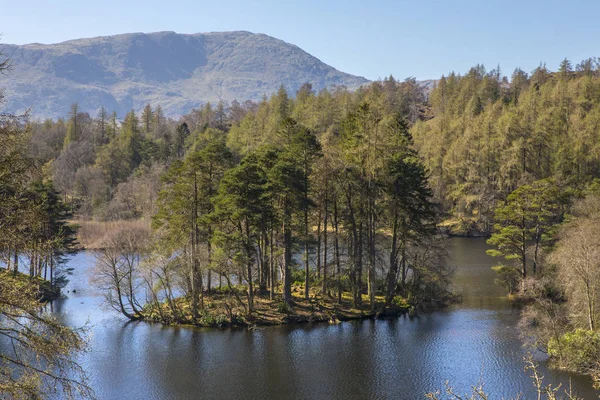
{"x": 148, "y": 120}
{"x": 242, "y": 202}
{"x": 73, "y": 126}
{"x": 529, "y": 215}
{"x": 565, "y": 69}
{"x": 185, "y": 210}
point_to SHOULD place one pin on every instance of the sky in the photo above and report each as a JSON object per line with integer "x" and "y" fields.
{"x": 377, "y": 38}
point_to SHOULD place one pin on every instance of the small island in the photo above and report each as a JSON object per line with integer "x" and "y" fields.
{"x": 286, "y": 227}
{"x": 219, "y": 313}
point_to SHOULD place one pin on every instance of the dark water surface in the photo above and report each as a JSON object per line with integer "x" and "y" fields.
{"x": 385, "y": 359}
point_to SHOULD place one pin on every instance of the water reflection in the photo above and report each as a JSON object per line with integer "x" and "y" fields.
{"x": 396, "y": 359}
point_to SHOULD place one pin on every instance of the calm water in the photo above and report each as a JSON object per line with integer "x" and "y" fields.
{"x": 386, "y": 359}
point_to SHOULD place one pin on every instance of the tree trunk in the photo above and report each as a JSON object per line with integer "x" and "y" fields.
{"x": 590, "y": 306}
{"x": 337, "y": 251}
{"x": 392, "y": 277}
{"x": 523, "y": 253}
{"x": 194, "y": 258}
{"x": 16, "y": 262}
{"x": 51, "y": 272}
{"x": 325, "y": 288}
{"x": 359, "y": 266}
{"x": 249, "y": 251}
{"x": 287, "y": 243}
{"x": 271, "y": 267}
{"x": 117, "y": 282}
{"x": 538, "y": 238}
{"x": 265, "y": 262}
{"x": 353, "y": 248}
{"x": 209, "y": 251}
{"x": 372, "y": 255}
{"x": 318, "y": 253}
{"x": 306, "y": 259}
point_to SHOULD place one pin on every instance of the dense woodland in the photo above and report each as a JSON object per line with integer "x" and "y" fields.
{"x": 334, "y": 198}
{"x": 491, "y": 135}
{"x": 322, "y": 190}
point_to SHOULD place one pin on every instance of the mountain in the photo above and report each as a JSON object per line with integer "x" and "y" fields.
{"x": 428, "y": 85}
{"x": 177, "y": 71}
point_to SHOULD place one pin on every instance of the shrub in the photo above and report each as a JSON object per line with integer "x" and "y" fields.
{"x": 221, "y": 320}
{"x": 283, "y": 308}
{"x": 297, "y": 276}
{"x": 577, "y": 350}
{"x": 400, "y": 302}
{"x": 207, "y": 319}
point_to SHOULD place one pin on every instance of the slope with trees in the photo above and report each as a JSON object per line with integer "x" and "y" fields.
{"x": 491, "y": 136}
{"x": 37, "y": 353}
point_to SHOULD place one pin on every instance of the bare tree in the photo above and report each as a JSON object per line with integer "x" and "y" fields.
{"x": 117, "y": 272}
{"x": 161, "y": 276}
{"x": 136, "y": 198}
{"x": 578, "y": 260}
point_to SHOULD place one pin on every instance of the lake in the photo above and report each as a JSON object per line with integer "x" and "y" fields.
{"x": 384, "y": 359}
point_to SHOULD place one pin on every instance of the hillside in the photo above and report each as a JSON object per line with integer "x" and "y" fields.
{"x": 177, "y": 71}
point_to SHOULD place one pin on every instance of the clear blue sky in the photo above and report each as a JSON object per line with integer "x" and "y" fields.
{"x": 420, "y": 38}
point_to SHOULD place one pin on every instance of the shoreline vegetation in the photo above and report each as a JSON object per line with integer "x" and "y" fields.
{"x": 551, "y": 391}
{"x": 268, "y": 312}
{"x": 224, "y": 307}
{"x": 145, "y": 286}
{"x": 219, "y": 313}
{"x": 41, "y": 289}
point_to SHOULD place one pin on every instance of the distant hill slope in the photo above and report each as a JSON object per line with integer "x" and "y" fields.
{"x": 177, "y": 71}
{"x": 428, "y": 85}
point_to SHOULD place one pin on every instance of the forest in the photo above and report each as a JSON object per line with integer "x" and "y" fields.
{"x": 322, "y": 194}
{"x": 324, "y": 206}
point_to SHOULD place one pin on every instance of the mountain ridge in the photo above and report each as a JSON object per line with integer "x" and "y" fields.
{"x": 177, "y": 71}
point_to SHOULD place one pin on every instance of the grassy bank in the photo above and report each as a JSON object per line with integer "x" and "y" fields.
{"x": 221, "y": 309}
{"x": 22, "y": 281}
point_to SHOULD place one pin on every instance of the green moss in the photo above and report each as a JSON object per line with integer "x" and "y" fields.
{"x": 400, "y": 302}
{"x": 45, "y": 290}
